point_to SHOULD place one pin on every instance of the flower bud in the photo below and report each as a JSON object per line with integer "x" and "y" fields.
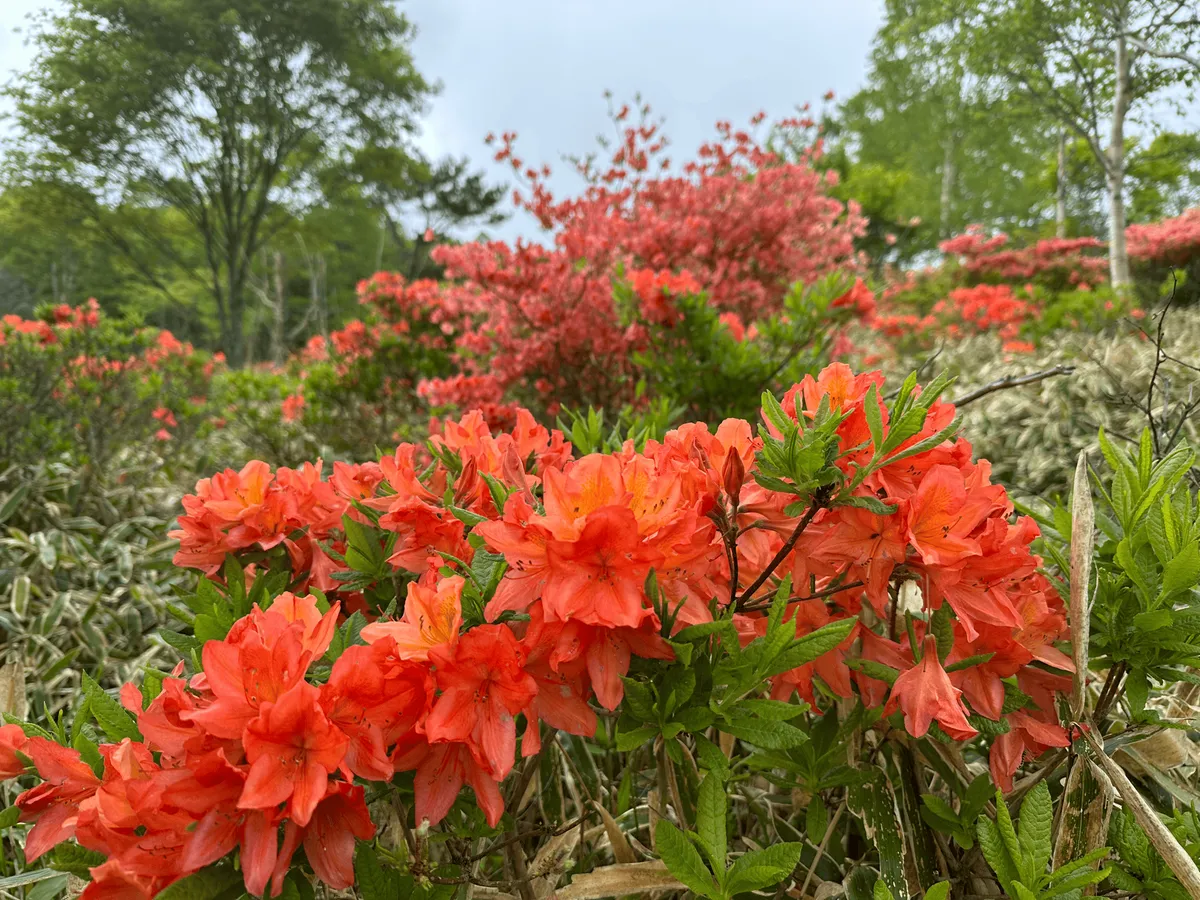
{"x": 733, "y": 474}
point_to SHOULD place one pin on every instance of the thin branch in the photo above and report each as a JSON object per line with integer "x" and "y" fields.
{"x": 1011, "y": 381}
{"x": 818, "y": 503}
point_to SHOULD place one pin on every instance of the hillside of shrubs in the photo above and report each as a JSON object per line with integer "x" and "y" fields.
{"x": 708, "y": 545}
{"x": 685, "y": 551}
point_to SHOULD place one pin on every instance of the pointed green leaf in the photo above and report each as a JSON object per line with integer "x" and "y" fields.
{"x": 683, "y": 860}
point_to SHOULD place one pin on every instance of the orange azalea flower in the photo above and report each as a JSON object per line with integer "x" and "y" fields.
{"x": 339, "y": 819}
{"x": 1028, "y": 737}
{"x": 925, "y": 694}
{"x": 112, "y": 880}
{"x": 442, "y": 773}
{"x": 431, "y": 618}
{"x": 292, "y": 748}
{"x": 599, "y": 578}
{"x": 54, "y": 804}
{"x": 243, "y": 673}
{"x": 12, "y": 742}
{"x": 939, "y": 520}
{"x": 318, "y": 627}
{"x": 562, "y": 684}
{"x": 484, "y": 686}
{"x": 423, "y": 529}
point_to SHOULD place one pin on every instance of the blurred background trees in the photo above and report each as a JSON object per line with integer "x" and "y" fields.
{"x": 241, "y": 183}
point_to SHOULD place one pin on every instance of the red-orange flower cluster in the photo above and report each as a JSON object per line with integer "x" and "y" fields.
{"x": 259, "y": 754}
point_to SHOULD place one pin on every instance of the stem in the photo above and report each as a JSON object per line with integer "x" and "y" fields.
{"x": 816, "y": 595}
{"x": 824, "y": 843}
{"x": 1108, "y": 694}
{"x": 820, "y": 498}
{"x": 667, "y": 773}
{"x": 516, "y": 858}
{"x": 733, "y": 559}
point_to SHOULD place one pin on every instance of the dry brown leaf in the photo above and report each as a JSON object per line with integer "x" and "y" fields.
{"x": 1083, "y": 528}
{"x": 620, "y": 880}
{"x": 621, "y": 850}
{"x": 550, "y": 863}
{"x": 1164, "y": 842}
{"x": 12, "y": 689}
{"x": 1085, "y": 808}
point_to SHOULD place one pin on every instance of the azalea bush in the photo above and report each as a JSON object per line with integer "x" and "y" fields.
{"x": 837, "y": 605}
{"x": 1168, "y": 252}
{"x": 538, "y": 325}
{"x": 91, "y": 387}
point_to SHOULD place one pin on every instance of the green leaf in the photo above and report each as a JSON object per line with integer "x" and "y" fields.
{"x": 14, "y": 500}
{"x": 88, "y": 752}
{"x": 873, "y": 800}
{"x": 711, "y": 758}
{"x": 9, "y": 817}
{"x": 874, "y": 416}
{"x": 215, "y": 882}
{"x": 639, "y": 699}
{"x": 942, "y": 626}
{"x": 1183, "y": 572}
{"x": 1153, "y": 620}
{"x": 977, "y": 660}
{"x": 767, "y": 735}
{"x": 995, "y": 852}
{"x": 683, "y": 860}
{"x": 761, "y": 869}
{"x": 75, "y": 859}
{"x": 939, "y": 891}
{"x": 806, "y": 649}
{"x": 873, "y": 669}
{"x": 704, "y": 630}
{"x": 117, "y": 723}
{"x": 816, "y": 820}
{"x": 1008, "y": 834}
{"x": 32, "y": 877}
{"x": 710, "y": 821}
{"x": 870, "y": 503}
{"x": 774, "y": 414}
{"x": 1036, "y": 829}
{"x": 1137, "y": 691}
{"x": 772, "y": 710}
{"x": 48, "y": 889}
{"x": 630, "y": 740}
{"x": 372, "y": 881}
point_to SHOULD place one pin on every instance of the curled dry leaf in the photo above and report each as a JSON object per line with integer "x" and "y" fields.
{"x": 620, "y": 880}
{"x": 621, "y": 850}
{"x": 1083, "y": 526}
{"x": 12, "y": 689}
{"x": 1176, "y": 858}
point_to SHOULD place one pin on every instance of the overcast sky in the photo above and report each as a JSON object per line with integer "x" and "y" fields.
{"x": 540, "y": 67}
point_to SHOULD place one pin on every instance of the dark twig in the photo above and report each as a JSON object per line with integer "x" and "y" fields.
{"x": 815, "y": 595}
{"x": 820, "y": 498}
{"x": 1011, "y": 381}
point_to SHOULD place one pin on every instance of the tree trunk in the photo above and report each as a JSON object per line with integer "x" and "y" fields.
{"x": 1060, "y": 190}
{"x": 323, "y": 297}
{"x": 278, "y": 315}
{"x": 1118, "y": 255}
{"x": 235, "y": 340}
{"x": 948, "y": 176}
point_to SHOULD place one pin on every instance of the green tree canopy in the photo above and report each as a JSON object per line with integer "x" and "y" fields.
{"x": 222, "y": 110}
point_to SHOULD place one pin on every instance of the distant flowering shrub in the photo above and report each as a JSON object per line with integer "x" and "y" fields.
{"x": 536, "y": 325}
{"x": 1166, "y": 255}
{"x": 88, "y": 386}
{"x": 1053, "y": 263}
